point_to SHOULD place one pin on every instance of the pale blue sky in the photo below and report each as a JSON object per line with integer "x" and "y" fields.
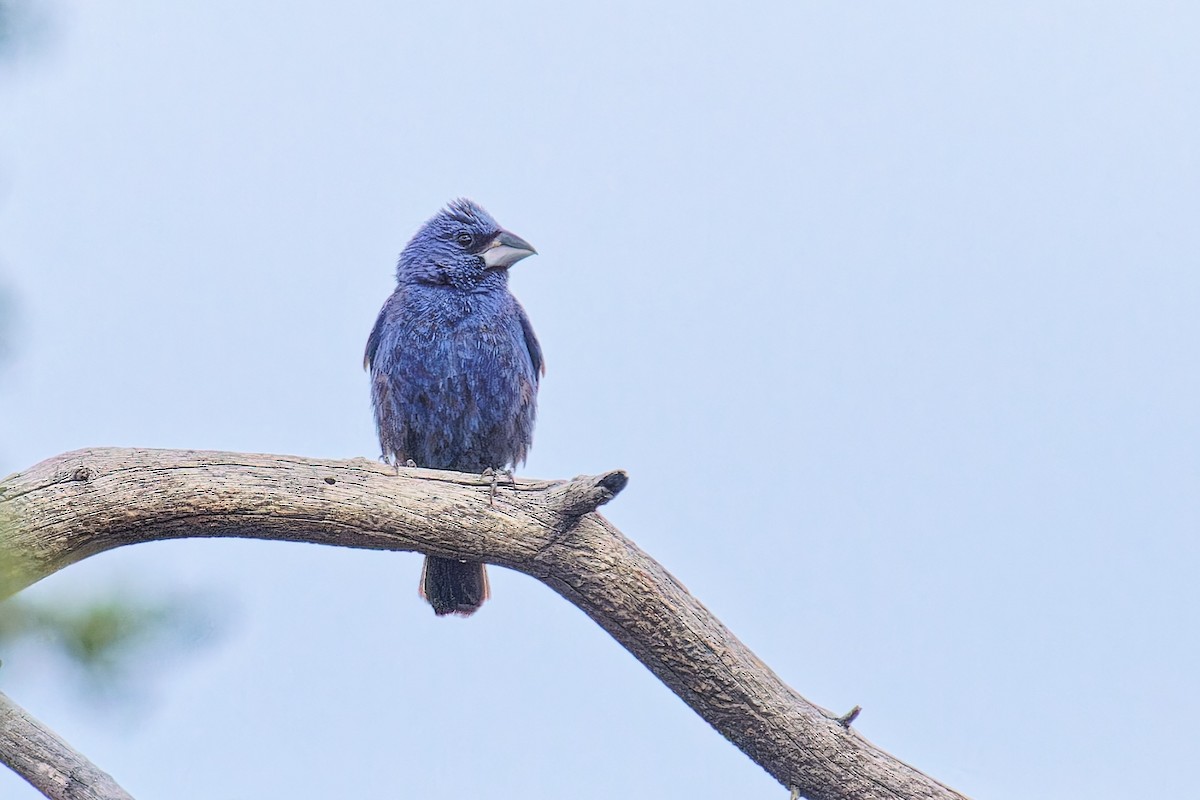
{"x": 890, "y": 310}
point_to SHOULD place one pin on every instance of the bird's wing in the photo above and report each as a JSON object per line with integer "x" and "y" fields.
{"x": 389, "y": 422}
{"x": 373, "y": 340}
{"x": 531, "y": 343}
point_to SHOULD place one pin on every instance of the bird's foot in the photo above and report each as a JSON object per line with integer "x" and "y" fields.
{"x": 396, "y": 463}
{"x": 494, "y": 475}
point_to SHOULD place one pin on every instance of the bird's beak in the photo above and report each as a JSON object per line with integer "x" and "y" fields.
{"x": 505, "y": 250}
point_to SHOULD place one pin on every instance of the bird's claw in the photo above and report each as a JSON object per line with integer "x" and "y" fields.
{"x": 395, "y": 462}
{"x": 494, "y": 475}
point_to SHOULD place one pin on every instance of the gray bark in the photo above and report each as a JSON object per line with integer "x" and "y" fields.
{"x": 38, "y": 755}
{"x": 81, "y": 503}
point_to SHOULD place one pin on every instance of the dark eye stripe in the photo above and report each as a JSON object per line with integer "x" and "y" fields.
{"x": 479, "y": 242}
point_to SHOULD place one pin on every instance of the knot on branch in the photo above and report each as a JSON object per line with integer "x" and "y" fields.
{"x": 586, "y": 493}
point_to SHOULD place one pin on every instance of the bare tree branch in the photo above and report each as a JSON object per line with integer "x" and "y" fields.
{"x": 38, "y": 755}
{"x": 81, "y": 503}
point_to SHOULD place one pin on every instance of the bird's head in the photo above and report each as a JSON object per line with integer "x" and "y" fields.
{"x": 460, "y": 246}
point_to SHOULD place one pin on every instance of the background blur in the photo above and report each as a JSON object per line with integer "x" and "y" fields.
{"x": 890, "y": 310}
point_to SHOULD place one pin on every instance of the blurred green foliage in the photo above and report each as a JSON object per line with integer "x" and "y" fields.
{"x": 11, "y": 12}
{"x": 109, "y": 640}
{"x": 23, "y": 23}
{"x": 106, "y": 640}
{"x": 6, "y": 21}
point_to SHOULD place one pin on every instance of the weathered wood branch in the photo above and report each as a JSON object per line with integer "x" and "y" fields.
{"x": 41, "y": 757}
{"x": 81, "y": 503}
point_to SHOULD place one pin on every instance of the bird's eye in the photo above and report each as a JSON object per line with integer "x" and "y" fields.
{"x": 465, "y": 239}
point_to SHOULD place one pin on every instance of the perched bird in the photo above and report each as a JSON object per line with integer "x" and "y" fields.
{"x": 454, "y": 368}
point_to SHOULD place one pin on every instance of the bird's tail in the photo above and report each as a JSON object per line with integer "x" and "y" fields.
{"x": 454, "y": 587}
